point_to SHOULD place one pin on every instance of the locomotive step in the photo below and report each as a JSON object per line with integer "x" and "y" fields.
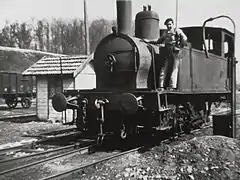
{"x": 165, "y": 109}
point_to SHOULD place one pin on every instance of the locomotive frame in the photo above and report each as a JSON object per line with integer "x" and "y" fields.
{"x": 128, "y": 95}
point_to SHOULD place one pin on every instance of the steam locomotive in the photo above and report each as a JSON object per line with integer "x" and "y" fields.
{"x": 128, "y": 95}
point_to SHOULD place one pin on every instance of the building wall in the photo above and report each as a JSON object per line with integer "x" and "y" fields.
{"x": 47, "y": 86}
{"x": 86, "y": 79}
{"x": 68, "y": 83}
{"x": 42, "y": 97}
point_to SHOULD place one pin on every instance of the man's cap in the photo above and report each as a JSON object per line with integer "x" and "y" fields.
{"x": 168, "y": 20}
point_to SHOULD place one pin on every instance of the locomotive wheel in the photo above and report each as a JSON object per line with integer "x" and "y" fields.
{"x": 11, "y": 102}
{"x": 26, "y": 103}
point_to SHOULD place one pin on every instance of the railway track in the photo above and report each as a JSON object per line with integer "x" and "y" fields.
{"x": 17, "y": 148}
{"x": 104, "y": 159}
{"x": 66, "y": 153}
{"x": 59, "y": 153}
{"x": 46, "y": 138}
{"x": 101, "y": 160}
{"x": 19, "y": 118}
{"x": 56, "y": 133}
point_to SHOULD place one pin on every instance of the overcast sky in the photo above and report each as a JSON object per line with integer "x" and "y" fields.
{"x": 191, "y": 12}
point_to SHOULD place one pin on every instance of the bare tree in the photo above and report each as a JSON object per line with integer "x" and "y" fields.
{"x": 39, "y": 34}
{"x": 98, "y": 30}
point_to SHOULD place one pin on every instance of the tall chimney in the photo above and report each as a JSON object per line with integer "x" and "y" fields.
{"x": 124, "y": 16}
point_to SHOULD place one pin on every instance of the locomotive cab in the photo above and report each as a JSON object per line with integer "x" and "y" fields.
{"x": 198, "y": 73}
{"x": 219, "y": 40}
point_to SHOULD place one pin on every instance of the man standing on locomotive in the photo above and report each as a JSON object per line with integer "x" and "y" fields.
{"x": 171, "y": 42}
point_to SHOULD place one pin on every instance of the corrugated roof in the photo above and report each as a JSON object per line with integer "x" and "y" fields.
{"x": 53, "y": 65}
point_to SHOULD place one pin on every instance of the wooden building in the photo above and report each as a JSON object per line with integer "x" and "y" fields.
{"x": 57, "y": 74}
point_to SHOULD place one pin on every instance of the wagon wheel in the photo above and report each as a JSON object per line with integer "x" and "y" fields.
{"x": 11, "y": 102}
{"x": 26, "y": 103}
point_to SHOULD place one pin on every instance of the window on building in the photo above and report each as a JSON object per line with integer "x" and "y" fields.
{"x": 54, "y": 85}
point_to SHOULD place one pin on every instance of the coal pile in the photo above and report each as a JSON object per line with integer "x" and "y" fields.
{"x": 206, "y": 157}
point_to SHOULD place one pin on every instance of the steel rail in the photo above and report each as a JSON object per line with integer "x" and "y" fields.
{"x": 92, "y": 164}
{"x": 57, "y": 132}
{"x": 45, "y": 160}
{"x": 38, "y": 154}
{"x": 16, "y": 147}
{"x": 44, "y": 139}
{"x": 105, "y": 159}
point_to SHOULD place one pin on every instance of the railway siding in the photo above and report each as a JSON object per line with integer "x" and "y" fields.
{"x": 21, "y": 118}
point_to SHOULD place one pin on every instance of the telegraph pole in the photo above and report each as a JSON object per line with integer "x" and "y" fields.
{"x": 86, "y": 27}
{"x": 176, "y": 18}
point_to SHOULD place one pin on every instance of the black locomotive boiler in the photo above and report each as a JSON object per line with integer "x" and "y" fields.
{"x": 128, "y": 95}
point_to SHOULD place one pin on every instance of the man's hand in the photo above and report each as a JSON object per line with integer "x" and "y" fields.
{"x": 161, "y": 45}
{"x": 172, "y": 42}
{"x": 176, "y": 49}
{"x": 145, "y": 40}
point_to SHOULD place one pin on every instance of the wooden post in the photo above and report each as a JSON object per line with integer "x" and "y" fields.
{"x": 176, "y": 20}
{"x": 61, "y": 73}
{"x": 86, "y": 27}
{"x": 233, "y": 92}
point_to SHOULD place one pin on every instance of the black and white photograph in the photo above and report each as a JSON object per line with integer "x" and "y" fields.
{"x": 119, "y": 89}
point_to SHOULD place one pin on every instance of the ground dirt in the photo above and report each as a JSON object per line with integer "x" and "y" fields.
{"x": 202, "y": 157}
{"x": 205, "y": 157}
{"x": 12, "y": 134}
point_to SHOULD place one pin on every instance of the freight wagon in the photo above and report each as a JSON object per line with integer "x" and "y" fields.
{"x": 15, "y": 88}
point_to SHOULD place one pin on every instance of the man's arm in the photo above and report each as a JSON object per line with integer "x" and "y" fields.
{"x": 158, "y": 41}
{"x": 153, "y": 42}
{"x": 183, "y": 37}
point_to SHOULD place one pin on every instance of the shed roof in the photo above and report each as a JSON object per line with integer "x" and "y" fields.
{"x": 54, "y": 65}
